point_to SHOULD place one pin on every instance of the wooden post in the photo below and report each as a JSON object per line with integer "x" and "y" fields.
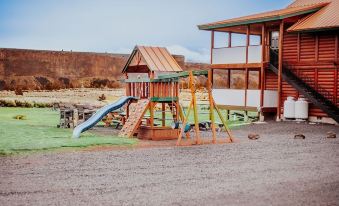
{"x": 163, "y": 108}
{"x": 246, "y": 85}
{"x": 229, "y": 78}
{"x": 195, "y": 109}
{"x": 210, "y": 98}
{"x": 281, "y": 37}
{"x": 262, "y": 69}
{"x": 247, "y": 41}
{"x": 229, "y": 39}
{"x": 212, "y": 46}
{"x": 246, "y": 70}
{"x": 151, "y": 108}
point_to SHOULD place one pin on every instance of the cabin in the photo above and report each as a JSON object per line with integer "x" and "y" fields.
{"x": 156, "y": 96}
{"x": 289, "y": 52}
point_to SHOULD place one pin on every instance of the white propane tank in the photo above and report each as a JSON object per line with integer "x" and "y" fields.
{"x": 289, "y": 108}
{"x": 301, "y": 109}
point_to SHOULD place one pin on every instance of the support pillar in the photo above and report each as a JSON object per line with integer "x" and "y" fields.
{"x": 281, "y": 37}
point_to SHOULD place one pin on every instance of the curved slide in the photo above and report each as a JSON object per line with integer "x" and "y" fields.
{"x": 98, "y": 115}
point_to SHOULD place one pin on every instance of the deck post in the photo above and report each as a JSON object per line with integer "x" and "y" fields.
{"x": 247, "y": 41}
{"x": 262, "y": 71}
{"x": 246, "y": 88}
{"x": 229, "y": 78}
{"x": 281, "y": 37}
{"x": 246, "y": 69}
{"x": 229, "y": 39}
{"x": 212, "y": 46}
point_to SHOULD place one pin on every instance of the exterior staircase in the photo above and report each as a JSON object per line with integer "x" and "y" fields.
{"x": 135, "y": 116}
{"x": 317, "y": 97}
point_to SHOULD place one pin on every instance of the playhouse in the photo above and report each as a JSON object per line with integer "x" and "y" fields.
{"x": 143, "y": 67}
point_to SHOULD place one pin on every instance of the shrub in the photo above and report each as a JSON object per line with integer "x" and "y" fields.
{"x": 20, "y": 117}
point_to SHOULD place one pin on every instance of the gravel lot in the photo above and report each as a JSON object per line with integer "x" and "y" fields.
{"x": 274, "y": 170}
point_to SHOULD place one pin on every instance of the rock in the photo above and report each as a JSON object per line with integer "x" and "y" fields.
{"x": 253, "y": 136}
{"x": 299, "y": 136}
{"x": 331, "y": 135}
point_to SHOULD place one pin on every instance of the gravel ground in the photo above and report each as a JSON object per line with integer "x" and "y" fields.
{"x": 274, "y": 170}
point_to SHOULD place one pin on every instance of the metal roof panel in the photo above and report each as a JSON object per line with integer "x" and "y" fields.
{"x": 265, "y": 16}
{"x": 156, "y": 59}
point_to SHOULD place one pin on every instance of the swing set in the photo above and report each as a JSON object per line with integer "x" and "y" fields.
{"x": 193, "y": 106}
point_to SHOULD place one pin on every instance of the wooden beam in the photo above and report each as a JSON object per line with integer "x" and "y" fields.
{"x": 247, "y": 41}
{"x": 212, "y": 46}
{"x": 163, "y": 108}
{"x": 231, "y": 107}
{"x": 210, "y": 98}
{"x": 151, "y": 108}
{"x": 281, "y": 37}
{"x": 229, "y": 39}
{"x": 262, "y": 69}
{"x": 246, "y": 86}
{"x": 229, "y": 78}
{"x": 236, "y": 66}
{"x": 195, "y": 108}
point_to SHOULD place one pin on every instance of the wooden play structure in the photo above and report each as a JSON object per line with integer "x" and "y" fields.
{"x": 152, "y": 75}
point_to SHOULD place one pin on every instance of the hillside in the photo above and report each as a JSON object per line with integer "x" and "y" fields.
{"x": 22, "y": 69}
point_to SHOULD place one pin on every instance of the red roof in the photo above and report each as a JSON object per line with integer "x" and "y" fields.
{"x": 322, "y": 14}
{"x": 325, "y": 18}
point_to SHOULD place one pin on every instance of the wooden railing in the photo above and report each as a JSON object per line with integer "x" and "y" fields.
{"x": 165, "y": 89}
{"x": 138, "y": 89}
{"x": 160, "y": 89}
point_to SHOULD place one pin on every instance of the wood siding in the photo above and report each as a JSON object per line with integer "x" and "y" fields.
{"x": 313, "y": 57}
{"x": 271, "y": 80}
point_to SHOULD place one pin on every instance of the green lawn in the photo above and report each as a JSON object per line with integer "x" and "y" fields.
{"x": 39, "y": 132}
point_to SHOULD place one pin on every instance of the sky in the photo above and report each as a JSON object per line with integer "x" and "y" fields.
{"x": 116, "y": 26}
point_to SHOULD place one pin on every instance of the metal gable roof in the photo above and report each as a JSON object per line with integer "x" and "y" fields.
{"x": 156, "y": 59}
{"x": 326, "y": 18}
{"x": 265, "y": 16}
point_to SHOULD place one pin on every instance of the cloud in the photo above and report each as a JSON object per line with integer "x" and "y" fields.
{"x": 202, "y": 55}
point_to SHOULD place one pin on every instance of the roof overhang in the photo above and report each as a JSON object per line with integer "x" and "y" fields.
{"x": 263, "y": 17}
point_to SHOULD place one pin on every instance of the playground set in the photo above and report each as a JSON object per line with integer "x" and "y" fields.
{"x": 152, "y": 86}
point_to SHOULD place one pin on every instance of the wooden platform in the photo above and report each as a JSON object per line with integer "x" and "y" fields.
{"x": 157, "y": 133}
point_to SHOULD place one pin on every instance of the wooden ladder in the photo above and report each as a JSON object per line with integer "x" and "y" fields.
{"x": 135, "y": 116}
